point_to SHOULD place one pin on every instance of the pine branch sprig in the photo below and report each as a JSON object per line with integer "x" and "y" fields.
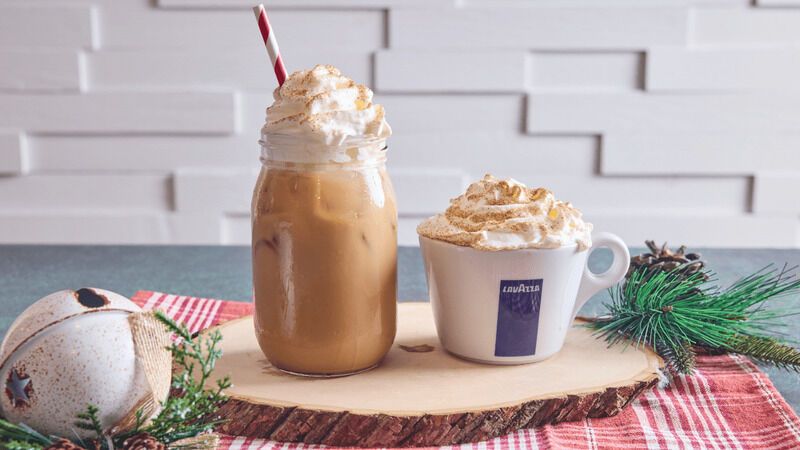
{"x": 680, "y": 357}
{"x": 672, "y": 311}
{"x": 767, "y": 350}
{"x": 21, "y": 437}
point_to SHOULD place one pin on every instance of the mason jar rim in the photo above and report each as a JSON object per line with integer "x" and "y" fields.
{"x": 289, "y": 150}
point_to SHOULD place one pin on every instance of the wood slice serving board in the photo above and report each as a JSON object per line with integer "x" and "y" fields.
{"x": 426, "y": 398}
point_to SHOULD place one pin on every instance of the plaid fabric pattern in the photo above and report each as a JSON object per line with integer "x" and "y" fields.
{"x": 727, "y": 404}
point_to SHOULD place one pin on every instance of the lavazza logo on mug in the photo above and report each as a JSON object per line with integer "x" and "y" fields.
{"x": 522, "y": 287}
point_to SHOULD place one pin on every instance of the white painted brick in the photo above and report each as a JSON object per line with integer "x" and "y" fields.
{"x": 797, "y": 237}
{"x": 478, "y": 152}
{"x": 47, "y": 227}
{"x": 449, "y": 71}
{"x": 194, "y": 228}
{"x": 46, "y": 25}
{"x": 127, "y": 5}
{"x": 207, "y": 190}
{"x": 296, "y": 30}
{"x": 426, "y": 191}
{"x": 778, "y": 3}
{"x": 651, "y": 3}
{"x": 586, "y": 71}
{"x": 745, "y": 26}
{"x": 236, "y": 229}
{"x": 600, "y": 27}
{"x": 645, "y": 195}
{"x": 698, "y": 153}
{"x": 736, "y": 3}
{"x": 120, "y": 112}
{"x": 444, "y": 113}
{"x": 595, "y": 3}
{"x": 197, "y": 69}
{"x": 777, "y": 193}
{"x": 738, "y": 231}
{"x": 717, "y": 3}
{"x": 324, "y": 4}
{"x": 394, "y": 4}
{"x": 40, "y": 70}
{"x": 50, "y": 153}
{"x": 407, "y": 230}
{"x": 253, "y": 112}
{"x": 14, "y": 158}
{"x": 679, "y": 69}
{"x": 85, "y": 192}
{"x": 635, "y": 112}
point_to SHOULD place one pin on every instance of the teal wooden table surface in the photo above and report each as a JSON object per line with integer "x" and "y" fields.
{"x": 28, "y": 272}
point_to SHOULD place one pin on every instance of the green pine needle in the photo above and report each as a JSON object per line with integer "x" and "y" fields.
{"x": 680, "y": 357}
{"x": 767, "y": 350}
{"x": 671, "y": 311}
{"x": 21, "y": 437}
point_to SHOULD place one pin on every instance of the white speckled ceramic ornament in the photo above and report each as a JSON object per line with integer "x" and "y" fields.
{"x": 68, "y": 350}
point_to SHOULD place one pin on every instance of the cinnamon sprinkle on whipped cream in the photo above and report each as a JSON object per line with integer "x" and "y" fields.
{"x": 323, "y": 106}
{"x": 498, "y": 214}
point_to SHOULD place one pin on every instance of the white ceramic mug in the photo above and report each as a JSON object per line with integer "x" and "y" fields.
{"x": 512, "y": 306}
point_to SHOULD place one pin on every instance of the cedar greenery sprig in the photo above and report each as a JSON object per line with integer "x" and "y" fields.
{"x": 191, "y": 411}
{"x": 671, "y": 312}
{"x": 187, "y": 412}
{"x": 21, "y": 445}
{"x": 89, "y": 421}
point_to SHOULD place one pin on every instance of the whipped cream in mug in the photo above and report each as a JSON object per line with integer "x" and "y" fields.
{"x": 320, "y": 115}
{"x": 498, "y": 214}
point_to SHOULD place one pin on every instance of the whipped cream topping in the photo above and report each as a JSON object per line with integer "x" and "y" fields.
{"x": 507, "y": 215}
{"x": 320, "y": 115}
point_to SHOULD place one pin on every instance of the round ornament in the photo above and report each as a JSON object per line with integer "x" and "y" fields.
{"x": 71, "y": 349}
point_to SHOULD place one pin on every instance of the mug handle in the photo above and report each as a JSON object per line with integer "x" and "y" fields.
{"x": 592, "y": 283}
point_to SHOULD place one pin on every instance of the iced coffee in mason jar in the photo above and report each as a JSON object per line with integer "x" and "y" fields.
{"x": 324, "y": 228}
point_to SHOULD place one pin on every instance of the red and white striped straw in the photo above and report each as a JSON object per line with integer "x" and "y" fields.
{"x": 271, "y": 42}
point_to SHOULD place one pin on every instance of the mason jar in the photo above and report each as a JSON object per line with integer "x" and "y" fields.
{"x": 324, "y": 257}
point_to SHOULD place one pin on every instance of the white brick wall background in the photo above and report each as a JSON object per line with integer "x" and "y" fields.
{"x": 135, "y": 121}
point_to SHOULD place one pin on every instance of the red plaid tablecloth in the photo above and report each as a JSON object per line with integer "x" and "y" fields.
{"x": 728, "y": 404}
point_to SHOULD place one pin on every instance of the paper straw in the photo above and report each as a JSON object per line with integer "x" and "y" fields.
{"x": 271, "y": 42}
